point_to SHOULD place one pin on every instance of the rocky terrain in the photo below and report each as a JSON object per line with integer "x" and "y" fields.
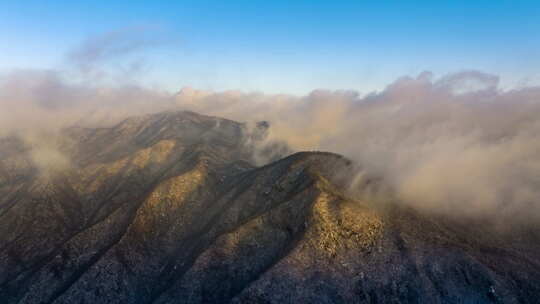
{"x": 171, "y": 208}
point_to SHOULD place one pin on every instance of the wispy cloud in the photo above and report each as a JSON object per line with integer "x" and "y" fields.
{"x": 122, "y": 49}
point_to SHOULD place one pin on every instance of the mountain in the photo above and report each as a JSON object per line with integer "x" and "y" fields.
{"x": 171, "y": 208}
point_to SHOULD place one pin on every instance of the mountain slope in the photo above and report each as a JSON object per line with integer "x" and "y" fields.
{"x": 169, "y": 208}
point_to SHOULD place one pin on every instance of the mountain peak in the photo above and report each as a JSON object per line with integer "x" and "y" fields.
{"x": 171, "y": 206}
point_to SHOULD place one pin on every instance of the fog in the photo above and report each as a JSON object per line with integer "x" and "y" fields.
{"x": 456, "y": 145}
{"x": 453, "y": 144}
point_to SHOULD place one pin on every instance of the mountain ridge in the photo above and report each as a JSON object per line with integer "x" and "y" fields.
{"x": 171, "y": 208}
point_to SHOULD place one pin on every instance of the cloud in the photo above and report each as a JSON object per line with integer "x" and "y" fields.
{"x": 36, "y": 105}
{"x": 456, "y": 145}
{"x": 93, "y": 57}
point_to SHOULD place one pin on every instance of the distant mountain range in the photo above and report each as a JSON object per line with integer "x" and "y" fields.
{"x": 171, "y": 208}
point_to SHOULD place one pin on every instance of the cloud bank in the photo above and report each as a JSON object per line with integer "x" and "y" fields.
{"x": 457, "y": 144}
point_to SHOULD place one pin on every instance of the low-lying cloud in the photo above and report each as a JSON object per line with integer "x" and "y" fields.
{"x": 457, "y": 144}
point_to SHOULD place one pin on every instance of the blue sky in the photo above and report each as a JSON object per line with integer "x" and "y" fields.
{"x": 284, "y": 46}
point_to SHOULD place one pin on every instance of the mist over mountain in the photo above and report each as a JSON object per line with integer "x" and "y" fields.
{"x": 110, "y": 191}
{"x": 456, "y": 144}
{"x": 269, "y": 152}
